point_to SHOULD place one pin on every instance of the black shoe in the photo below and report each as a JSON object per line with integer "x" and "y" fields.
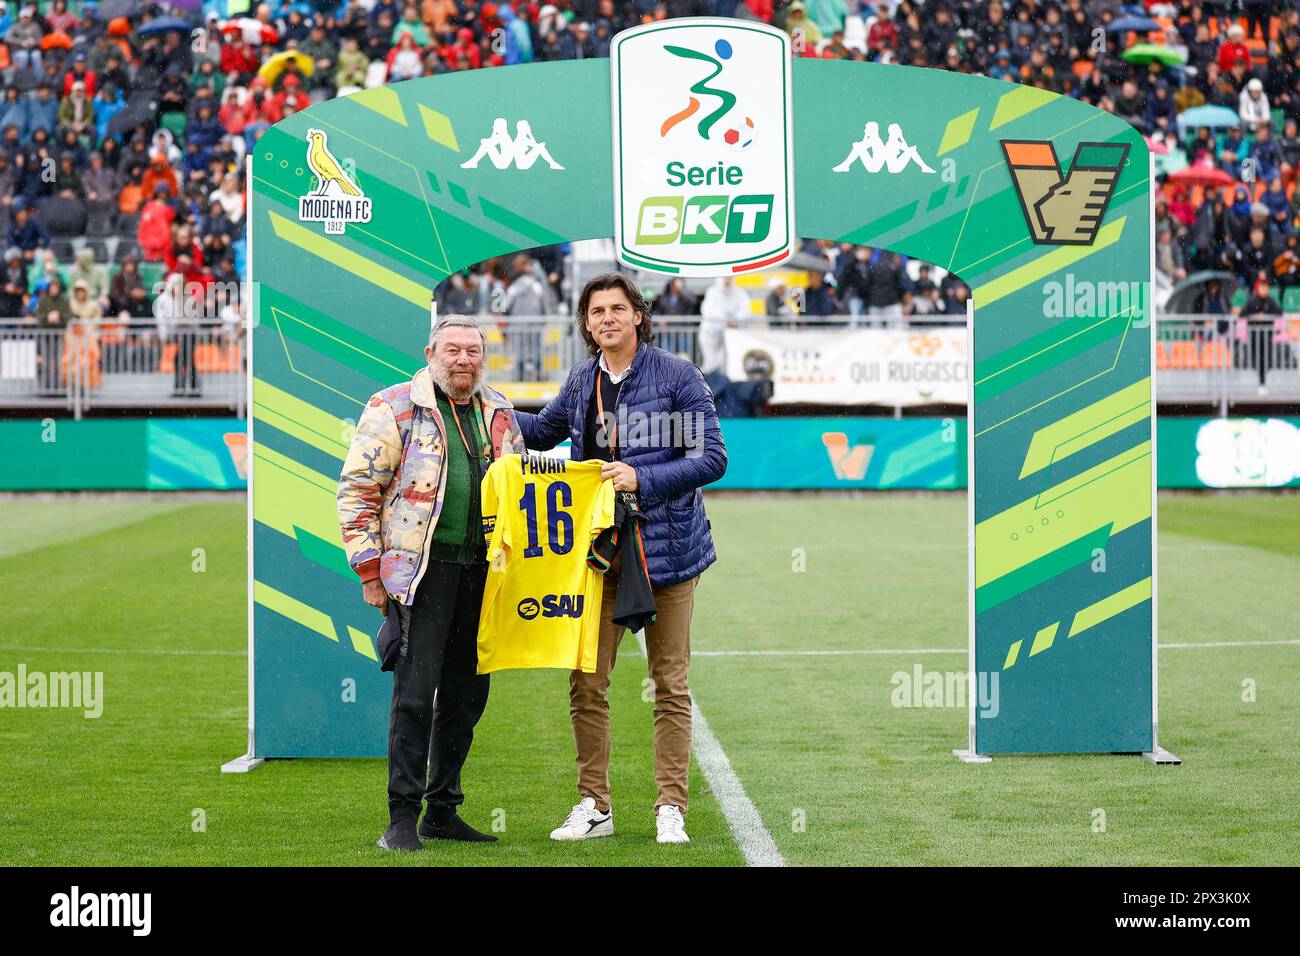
{"x": 453, "y": 829}
{"x": 401, "y": 836}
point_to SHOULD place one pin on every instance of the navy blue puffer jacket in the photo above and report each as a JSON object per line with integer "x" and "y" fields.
{"x": 670, "y": 435}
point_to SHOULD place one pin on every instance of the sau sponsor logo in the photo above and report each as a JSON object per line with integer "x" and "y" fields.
{"x": 703, "y": 162}
{"x": 552, "y": 605}
{"x": 336, "y": 200}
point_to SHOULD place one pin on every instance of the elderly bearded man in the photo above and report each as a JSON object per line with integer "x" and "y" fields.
{"x": 409, "y": 509}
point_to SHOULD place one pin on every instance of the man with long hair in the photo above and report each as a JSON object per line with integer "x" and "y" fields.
{"x": 650, "y": 417}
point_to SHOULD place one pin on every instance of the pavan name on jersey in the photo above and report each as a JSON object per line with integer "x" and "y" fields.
{"x": 541, "y": 465}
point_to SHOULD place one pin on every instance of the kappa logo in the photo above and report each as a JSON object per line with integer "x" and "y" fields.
{"x": 503, "y": 152}
{"x": 337, "y": 199}
{"x": 1064, "y": 210}
{"x": 849, "y": 461}
{"x": 893, "y": 155}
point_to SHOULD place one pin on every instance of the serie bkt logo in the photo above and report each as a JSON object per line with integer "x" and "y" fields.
{"x": 552, "y": 605}
{"x": 703, "y": 162}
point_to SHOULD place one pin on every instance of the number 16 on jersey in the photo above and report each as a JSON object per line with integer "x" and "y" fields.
{"x": 541, "y": 603}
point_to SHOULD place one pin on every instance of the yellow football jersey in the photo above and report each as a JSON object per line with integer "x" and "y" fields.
{"x": 541, "y": 604}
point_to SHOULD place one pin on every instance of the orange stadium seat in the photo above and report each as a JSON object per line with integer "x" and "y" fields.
{"x": 214, "y": 358}
{"x": 1216, "y": 355}
{"x": 1184, "y": 355}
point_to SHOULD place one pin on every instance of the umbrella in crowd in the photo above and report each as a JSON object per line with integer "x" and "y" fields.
{"x": 1154, "y": 53}
{"x": 229, "y": 8}
{"x": 255, "y": 31}
{"x": 1186, "y": 294}
{"x": 166, "y": 25}
{"x": 1133, "y": 25}
{"x": 1209, "y": 176}
{"x": 63, "y": 216}
{"x": 275, "y": 65}
{"x": 133, "y": 115}
{"x": 185, "y": 4}
{"x": 1214, "y": 117}
{"x": 112, "y": 9}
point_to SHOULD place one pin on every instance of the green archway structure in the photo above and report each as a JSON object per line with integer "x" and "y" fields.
{"x": 1039, "y": 202}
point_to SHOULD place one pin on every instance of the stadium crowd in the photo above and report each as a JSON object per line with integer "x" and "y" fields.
{"x": 126, "y": 122}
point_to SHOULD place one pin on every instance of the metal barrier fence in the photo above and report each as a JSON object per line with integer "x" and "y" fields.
{"x": 122, "y": 363}
{"x": 115, "y": 363}
{"x": 1224, "y": 360}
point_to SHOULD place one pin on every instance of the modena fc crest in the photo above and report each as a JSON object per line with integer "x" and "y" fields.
{"x": 336, "y": 200}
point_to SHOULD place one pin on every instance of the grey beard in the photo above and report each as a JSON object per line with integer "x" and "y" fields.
{"x": 442, "y": 378}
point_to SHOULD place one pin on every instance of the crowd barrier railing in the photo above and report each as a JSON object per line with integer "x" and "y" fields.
{"x": 1216, "y": 360}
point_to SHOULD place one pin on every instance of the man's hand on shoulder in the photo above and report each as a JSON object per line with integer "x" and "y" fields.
{"x": 375, "y": 595}
{"x": 624, "y": 475}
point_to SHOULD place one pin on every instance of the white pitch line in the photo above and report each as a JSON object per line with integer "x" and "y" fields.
{"x": 756, "y": 844}
{"x": 1179, "y": 647}
{"x": 831, "y": 653}
{"x": 857, "y": 651}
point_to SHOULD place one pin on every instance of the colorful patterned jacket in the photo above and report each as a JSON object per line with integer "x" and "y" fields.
{"x": 393, "y": 481}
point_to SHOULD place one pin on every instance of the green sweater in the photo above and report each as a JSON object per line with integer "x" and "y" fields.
{"x": 458, "y": 535}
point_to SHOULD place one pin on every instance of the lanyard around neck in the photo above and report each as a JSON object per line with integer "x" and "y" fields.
{"x": 486, "y": 451}
{"x": 610, "y": 426}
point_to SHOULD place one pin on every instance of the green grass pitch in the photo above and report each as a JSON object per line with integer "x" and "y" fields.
{"x": 839, "y": 775}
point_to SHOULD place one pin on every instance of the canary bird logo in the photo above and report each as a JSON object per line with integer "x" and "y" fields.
{"x": 325, "y": 167}
{"x": 1064, "y": 210}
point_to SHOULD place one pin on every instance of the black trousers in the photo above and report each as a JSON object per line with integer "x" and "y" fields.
{"x": 439, "y": 658}
{"x": 184, "y": 374}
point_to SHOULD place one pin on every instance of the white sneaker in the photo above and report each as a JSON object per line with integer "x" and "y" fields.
{"x": 585, "y": 821}
{"x": 671, "y": 826}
